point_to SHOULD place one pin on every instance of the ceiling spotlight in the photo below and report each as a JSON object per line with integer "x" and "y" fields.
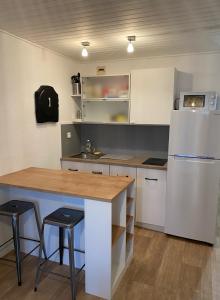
{"x": 130, "y": 47}
{"x": 84, "y": 50}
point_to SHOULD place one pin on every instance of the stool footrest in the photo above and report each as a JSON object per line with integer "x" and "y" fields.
{"x": 29, "y": 239}
{"x": 53, "y": 253}
{"x": 54, "y": 273}
{"x": 61, "y": 275}
{"x": 75, "y": 250}
{"x": 6, "y": 242}
{"x": 30, "y": 252}
{"x": 23, "y": 238}
{"x": 20, "y": 237}
{"x": 80, "y": 269}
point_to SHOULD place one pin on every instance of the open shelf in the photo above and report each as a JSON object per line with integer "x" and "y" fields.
{"x": 106, "y": 111}
{"x": 117, "y": 231}
{"x": 105, "y": 100}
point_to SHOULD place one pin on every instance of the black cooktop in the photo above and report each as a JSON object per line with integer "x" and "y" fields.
{"x": 155, "y": 161}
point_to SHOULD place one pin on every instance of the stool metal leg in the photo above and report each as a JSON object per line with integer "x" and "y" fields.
{"x": 61, "y": 243}
{"x": 15, "y": 228}
{"x": 39, "y": 229}
{"x": 72, "y": 263}
{"x": 37, "y": 278}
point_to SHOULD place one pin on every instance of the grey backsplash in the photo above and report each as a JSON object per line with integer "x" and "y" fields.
{"x": 121, "y": 139}
{"x": 72, "y": 145}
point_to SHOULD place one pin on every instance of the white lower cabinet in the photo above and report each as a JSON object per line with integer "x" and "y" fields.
{"x": 125, "y": 171}
{"x": 85, "y": 167}
{"x": 151, "y": 194}
{"x": 149, "y": 188}
{"x": 122, "y": 171}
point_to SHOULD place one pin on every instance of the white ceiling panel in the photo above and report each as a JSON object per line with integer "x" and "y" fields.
{"x": 162, "y": 27}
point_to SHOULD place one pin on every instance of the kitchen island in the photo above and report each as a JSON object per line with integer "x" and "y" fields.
{"x": 107, "y": 231}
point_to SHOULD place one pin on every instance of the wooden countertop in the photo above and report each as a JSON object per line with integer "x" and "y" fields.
{"x": 135, "y": 162}
{"x": 82, "y": 185}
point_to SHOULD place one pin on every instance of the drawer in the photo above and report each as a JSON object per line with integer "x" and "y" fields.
{"x": 122, "y": 171}
{"x": 85, "y": 167}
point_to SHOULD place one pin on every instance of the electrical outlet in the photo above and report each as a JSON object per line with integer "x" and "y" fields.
{"x": 68, "y": 135}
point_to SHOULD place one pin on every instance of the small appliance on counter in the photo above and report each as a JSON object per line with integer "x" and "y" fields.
{"x": 155, "y": 161}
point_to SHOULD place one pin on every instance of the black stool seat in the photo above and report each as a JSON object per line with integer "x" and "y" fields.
{"x": 64, "y": 217}
{"x": 15, "y": 207}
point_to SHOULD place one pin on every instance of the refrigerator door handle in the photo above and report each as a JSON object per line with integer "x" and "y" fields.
{"x": 193, "y": 156}
{"x": 195, "y": 160}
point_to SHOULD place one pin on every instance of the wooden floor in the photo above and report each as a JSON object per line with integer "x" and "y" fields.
{"x": 163, "y": 268}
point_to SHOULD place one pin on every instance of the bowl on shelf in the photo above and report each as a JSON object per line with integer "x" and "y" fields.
{"x": 121, "y": 118}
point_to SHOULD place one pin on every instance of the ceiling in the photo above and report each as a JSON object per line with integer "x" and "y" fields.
{"x": 162, "y": 27}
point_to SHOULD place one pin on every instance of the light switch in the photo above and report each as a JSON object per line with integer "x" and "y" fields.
{"x": 68, "y": 135}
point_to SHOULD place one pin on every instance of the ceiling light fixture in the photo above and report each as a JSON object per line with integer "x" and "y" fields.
{"x": 130, "y": 48}
{"x": 84, "y": 50}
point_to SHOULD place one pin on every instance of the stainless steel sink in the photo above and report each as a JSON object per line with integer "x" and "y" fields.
{"x": 86, "y": 156}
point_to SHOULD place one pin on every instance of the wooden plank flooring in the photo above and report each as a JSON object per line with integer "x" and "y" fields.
{"x": 163, "y": 268}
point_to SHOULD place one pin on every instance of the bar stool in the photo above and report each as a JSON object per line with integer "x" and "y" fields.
{"x": 65, "y": 219}
{"x": 14, "y": 209}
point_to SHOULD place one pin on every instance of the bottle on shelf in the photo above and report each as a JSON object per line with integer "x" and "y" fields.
{"x": 76, "y": 84}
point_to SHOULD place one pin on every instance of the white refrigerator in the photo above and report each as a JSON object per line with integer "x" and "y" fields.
{"x": 193, "y": 178}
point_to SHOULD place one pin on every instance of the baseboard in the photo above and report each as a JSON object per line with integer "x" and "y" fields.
{"x": 150, "y": 226}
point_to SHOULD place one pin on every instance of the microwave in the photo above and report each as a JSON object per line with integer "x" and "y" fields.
{"x": 202, "y": 101}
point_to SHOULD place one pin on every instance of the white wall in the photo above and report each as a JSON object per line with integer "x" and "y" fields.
{"x": 204, "y": 67}
{"x": 23, "y": 68}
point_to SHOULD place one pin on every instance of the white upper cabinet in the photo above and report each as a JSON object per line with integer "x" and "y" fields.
{"x": 106, "y": 99}
{"x": 106, "y": 87}
{"x": 153, "y": 92}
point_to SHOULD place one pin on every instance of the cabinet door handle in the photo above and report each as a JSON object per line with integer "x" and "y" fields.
{"x": 151, "y": 179}
{"x": 73, "y": 170}
{"x": 97, "y": 172}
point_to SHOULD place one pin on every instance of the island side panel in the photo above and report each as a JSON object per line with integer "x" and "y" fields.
{"x": 98, "y": 248}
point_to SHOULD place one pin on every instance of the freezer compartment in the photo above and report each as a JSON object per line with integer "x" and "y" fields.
{"x": 195, "y": 133}
{"x": 192, "y": 198}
